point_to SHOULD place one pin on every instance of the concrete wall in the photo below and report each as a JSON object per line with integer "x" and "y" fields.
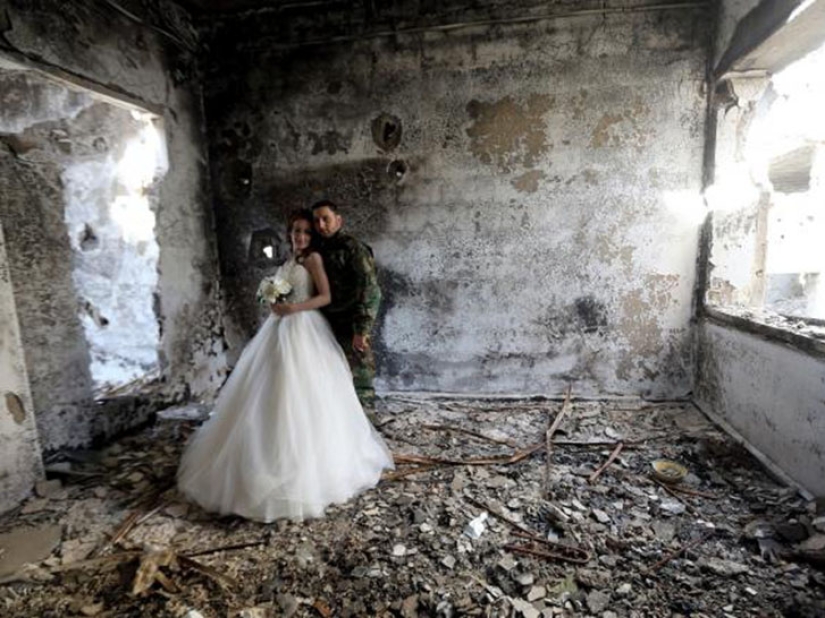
{"x": 544, "y": 227}
{"x": 20, "y": 463}
{"x": 91, "y": 44}
{"x": 770, "y": 393}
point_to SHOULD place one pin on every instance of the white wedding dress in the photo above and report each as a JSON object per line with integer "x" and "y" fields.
{"x": 288, "y": 435}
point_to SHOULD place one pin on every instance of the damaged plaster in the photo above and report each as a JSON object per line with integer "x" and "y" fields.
{"x": 95, "y": 47}
{"x": 771, "y": 393}
{"x": 548, "y": 166}
{"x": 20, "y": 464}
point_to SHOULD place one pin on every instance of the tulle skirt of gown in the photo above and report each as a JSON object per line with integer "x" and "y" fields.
{"x": 288, "y": 435}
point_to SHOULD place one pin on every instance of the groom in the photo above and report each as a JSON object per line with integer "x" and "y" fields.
{"x": 353, "y": 281}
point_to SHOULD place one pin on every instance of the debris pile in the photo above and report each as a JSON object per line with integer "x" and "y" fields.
{"x": 496, "y": 508}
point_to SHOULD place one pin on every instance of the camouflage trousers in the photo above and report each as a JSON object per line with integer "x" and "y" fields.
{"x": 362, "y": 364}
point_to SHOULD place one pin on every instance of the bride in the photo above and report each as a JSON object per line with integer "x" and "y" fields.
{"x": 288, "y": 436}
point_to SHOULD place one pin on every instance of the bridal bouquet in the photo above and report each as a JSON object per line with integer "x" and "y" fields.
{"x": 273, "y": 289}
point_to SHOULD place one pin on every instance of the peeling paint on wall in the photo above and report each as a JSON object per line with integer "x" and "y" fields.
{"x": 509, "y": 247}
{"x": 20, "y": 463}
{"x": 509, "y": 134}
{"x": 529, "y": 182}
{"x": 630, "y": 126}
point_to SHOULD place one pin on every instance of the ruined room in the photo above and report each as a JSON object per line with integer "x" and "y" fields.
{"x": 597, "y": 230}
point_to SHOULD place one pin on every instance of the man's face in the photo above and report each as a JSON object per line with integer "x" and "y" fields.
{"x": 326, "y": 221}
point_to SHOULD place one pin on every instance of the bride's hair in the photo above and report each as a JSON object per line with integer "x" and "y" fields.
{"x": 303, "y": 214}
{"x": 299, "y": 214}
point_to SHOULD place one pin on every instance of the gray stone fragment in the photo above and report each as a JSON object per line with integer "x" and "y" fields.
{"x": 597, "y": 601}
{"x": 601, "y": 516}
{"x": 725, "y": 568}
{"x": 448, "y": 561}
{"x": 536, "y": 593}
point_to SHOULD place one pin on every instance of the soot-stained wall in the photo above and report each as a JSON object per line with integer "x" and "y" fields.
{"x": 150, "y": 65}
{"x": 531, "y": 190}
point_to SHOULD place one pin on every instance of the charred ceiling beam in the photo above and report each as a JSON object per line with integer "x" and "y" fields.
{"x": 772, "y": 36}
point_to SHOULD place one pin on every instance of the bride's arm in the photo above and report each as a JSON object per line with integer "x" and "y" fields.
{"x": 315, "y": 265}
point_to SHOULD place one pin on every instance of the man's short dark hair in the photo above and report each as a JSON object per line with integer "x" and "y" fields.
{"x": 325, "y": 203}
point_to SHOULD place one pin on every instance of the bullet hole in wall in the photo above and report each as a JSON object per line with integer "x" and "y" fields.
{"x": 386, "y": 131}
{"x": 15, "y": 407}
{"x": 264, "y": 246}
{"x": 93, "y": 312}
{"x": 88, "y": 239}
{"x": 397, "y": 170}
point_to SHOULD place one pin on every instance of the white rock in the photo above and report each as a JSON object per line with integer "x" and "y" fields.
{"x": 624, "y": 590}
{"x": 536, "y": 593}
{"x": 601, "y": 516}
{"x": 672, "y": 506}
{"x": 525, "y": 609}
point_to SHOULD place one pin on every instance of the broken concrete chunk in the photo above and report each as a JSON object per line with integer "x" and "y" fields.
{"x": 624, "y": 590}
{"x": 35, "y": 506}
{"x": 525, "y": 609}
{"x": 409, "y": 607}
{"x": 597, "y": 601}
{"x": 26, "y": 545}
{"x": 536, "y": 593}
{"x": 672, "y": 506}
{"x": 47, "y": 488}
{"x": 726, "y": 568}
{"x": 448, "y": 561}
{"x": 601, "y": 516}
{"x": 664, "y": 531}
{"x": 815, "y": 543}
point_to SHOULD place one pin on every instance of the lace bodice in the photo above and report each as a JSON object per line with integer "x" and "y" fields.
{"x": 298, "y": 276}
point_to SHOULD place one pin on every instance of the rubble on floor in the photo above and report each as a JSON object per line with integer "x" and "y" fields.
{"x": 476, "y": 521}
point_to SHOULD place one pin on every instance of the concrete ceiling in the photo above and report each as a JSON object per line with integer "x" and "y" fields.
{"x": 232, "y": 6}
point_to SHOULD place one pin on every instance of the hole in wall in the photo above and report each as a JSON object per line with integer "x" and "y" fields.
{"x": 109, "y": 200}
{"x": 264, "y": 246}
{"x": 102, "y": 161}
{"x": 15, "y": 407}
{"x": 88, "y": 239}
{"x": 386, "y": 131}
{"x": 769, "y": 187}
{"x": 397, "y": 170}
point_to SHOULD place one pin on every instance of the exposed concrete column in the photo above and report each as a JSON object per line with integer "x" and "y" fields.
{"x": 20, "y": 463}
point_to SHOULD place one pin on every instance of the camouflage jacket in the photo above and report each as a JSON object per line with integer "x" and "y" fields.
{"x": 353, "y": 282}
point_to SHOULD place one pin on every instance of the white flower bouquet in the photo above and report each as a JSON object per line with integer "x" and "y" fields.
{"x": 273, "y": 289}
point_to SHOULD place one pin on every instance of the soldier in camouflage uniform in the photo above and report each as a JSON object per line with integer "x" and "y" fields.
{"x": 356, "y": 296}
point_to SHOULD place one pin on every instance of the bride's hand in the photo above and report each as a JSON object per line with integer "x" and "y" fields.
{"x": 282, "y": 309}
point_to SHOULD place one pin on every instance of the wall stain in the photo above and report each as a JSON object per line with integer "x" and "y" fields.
{"x": 592, "y": 314}
{"x": 329, "y": 142}
{"x": 507, "y": 134}
{"x": 623, "y": 128}
{"x": 15, "y": 407}
{"x": 578, "y": 103}
{"x": 528, "y": 182}
{"x": 638, "y": 323}
{"x": 584, "y": 316}
{"x": 591, "y": 177}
